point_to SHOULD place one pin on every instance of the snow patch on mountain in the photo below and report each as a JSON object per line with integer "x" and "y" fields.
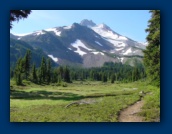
{"x": 33, "y": 33}
{"x": 119, "y": 49}
{"x": 67, "y": 27}
{"x": 22, "y": 34}
{"x": 98, "y": 53}
{"x": 122, "y": 38}
{"x": 98, "y": 43}
{"x": 78, "y": 45}
{"x": 107, "y": 34}
{"x": 122, "y": 59}
{"x": 128, "y": 52}
{"x": 121, "y": 44}
{"x": 116, "y": 43}
{"x": 54, "y": 30}
{"x": 53, "y": 58}
{"x": 39, "y": 33}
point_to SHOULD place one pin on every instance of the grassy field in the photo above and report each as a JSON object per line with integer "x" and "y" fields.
{"x": 151, "y": 108}
{"x": 42, "y": 103}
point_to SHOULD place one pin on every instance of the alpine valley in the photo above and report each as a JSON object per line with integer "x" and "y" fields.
{"x": 86, "y": 44}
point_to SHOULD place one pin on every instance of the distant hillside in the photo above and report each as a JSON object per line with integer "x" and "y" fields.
{"x": 18, "y": 49}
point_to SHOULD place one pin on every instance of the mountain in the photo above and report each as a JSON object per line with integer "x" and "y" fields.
{"x": 86, "y": 44}
{"x": 18, "y": 49}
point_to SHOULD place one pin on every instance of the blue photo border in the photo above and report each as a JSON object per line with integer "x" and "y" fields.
{"x": 87, "y": 128}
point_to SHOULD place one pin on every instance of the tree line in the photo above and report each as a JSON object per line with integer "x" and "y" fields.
{"x": 110, "y": 72}
{"x": 46, "y": 74}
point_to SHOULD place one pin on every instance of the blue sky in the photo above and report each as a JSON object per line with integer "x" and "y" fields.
{"x": 130, "y": 23}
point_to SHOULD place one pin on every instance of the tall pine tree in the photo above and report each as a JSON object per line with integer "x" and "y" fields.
{"x": 19, "y": 71}
{"x": 43, "y": 70}
{"x": 34, "y": 75}
{"x": 27, "y": 60}
{"x": 66, "y": 74}
{"x": 152, "y": 52}
{"x": 49, "y": 71}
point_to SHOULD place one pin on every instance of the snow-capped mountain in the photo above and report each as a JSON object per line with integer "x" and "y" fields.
{"x": 86, "y": 44}
{"x": 122, "y": 44}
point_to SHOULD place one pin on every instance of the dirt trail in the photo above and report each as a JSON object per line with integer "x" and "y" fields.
{"x": 130, "y": 114}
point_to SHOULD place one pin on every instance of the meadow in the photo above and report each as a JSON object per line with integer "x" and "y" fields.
{"x": 102, "y": 101}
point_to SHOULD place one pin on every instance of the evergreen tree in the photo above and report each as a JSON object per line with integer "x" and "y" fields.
{"x": 43, "y": 70}
{"x": 152, "y": 52}
{"x": 66, "y": 74}
{"x": 92, "y": 75}
{"x": 116, "y": 77}
{"x": 136, "y": 74}
{"x": 15, "y": 15}
{"x": 72, "y": 75}
{"x": 49, "y": 71}
{"x": 39, "y": 74}
{"x": 55, "y": 76}
{"x": 34, "y": 75}
{"x": 104, "y": 77}
{"x": 27, "y": 60}
{"x": 19, "y": 71}
{"x": 112, "y": 78}
{"x": 59, "y": 79}
{"x": 60, "y": 72}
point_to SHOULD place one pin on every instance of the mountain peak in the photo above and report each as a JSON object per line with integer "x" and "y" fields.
{"x": 86, "y": 22}
{"x": 104, "y": 26}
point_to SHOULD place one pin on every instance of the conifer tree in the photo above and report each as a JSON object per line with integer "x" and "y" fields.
{"x": 43, "y": 69}
{"x": 61, "y": 71}
{"x": 19, "y": 71}
{"x": 66, "y": 74}
{"x": 112, "y": 78}
{"x": 59, "y": 79}
{"x": 16, "y": 15}
{"x": 152, "y": 52}
{"x": 49, "y": 71}
{"x": 27, "y": 60}
{"x": 104, "y": 77}
{"x": 34, "y": 75}
{"x": 39, "y": 76}
{"x": 91, "y": 75}
{"x": 55, "y": 76}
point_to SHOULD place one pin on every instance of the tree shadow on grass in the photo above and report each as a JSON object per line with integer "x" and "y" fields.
{"x": 43, "y": 94}
{"x": 36, "y": 95}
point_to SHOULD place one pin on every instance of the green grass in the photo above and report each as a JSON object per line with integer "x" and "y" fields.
{"x": 151, "y": 108}
{"x": 46, "y": 103}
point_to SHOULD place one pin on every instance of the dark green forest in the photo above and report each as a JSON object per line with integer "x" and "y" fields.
{"x": 45, "y": 73}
